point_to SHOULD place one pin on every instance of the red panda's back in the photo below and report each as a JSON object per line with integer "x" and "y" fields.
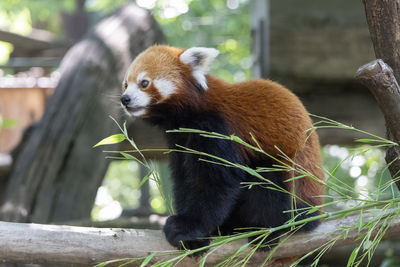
{"x": 276, "y": 118}
{"x": 273, "y": 114}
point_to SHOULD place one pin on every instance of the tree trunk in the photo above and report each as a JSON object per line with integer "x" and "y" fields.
{"x": 76, "y": 24}
{"x": 383, "y": 17}
{"x": 56, "y": 175}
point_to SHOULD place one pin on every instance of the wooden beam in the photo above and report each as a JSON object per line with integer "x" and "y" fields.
{"x": 28, "y": 62}
{"x": 37, "y": 41}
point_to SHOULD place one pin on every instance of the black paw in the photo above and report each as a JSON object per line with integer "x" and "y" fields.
{"x": 183, "y": 233}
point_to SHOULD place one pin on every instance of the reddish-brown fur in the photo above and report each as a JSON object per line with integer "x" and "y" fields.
{"x": 277, "y": 118}
{"x": 273, "y": 114}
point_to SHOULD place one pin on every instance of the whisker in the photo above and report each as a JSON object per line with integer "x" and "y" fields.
{"x": 114, "y": 101}
{"x": 112, "y": 96}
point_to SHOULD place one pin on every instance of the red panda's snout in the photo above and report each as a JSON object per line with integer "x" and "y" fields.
{"x": 139, "y": 95}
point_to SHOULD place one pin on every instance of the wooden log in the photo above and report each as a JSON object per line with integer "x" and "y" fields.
{"x": 35, "y": 243}
{"x": 57, "y": 173}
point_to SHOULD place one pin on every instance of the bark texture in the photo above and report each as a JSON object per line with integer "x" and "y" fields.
{"x": 383, "y": 17}
{"x": 34, "y": 243}
{"x": 379, "y": 78}
{"x": 56, "y": 175}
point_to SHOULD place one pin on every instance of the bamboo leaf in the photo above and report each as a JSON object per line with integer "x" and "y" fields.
{"x": 353, "y": 257}
{"x": 127, "y": 156}
{"x": 7, "y": 123}
{"x": 113, "y": 139}
{"x": 203, "y": 261}
{"x": 145, "y": 178}
{"x": 147, "y": 259}
{"x": 366, "y": 140}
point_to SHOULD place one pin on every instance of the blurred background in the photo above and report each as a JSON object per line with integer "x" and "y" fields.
{"x": 61, "y": 65}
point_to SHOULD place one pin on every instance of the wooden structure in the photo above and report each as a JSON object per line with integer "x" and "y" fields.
{"x": 315, "y": 49}
{"x": 22, "y": 99}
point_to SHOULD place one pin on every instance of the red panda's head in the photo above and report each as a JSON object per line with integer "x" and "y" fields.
{"x": 162, "y": 74}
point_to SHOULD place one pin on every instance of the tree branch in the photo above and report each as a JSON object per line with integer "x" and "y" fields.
{"x": 39, "y": 243}
{"x": 378, "y": 77}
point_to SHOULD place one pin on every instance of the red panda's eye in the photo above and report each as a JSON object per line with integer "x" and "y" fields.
{"x": 144, "y": 83}
{"x": 124, "y": 85}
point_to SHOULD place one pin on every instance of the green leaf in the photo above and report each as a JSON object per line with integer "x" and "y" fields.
{"x": 353, "y": 256}
{"x": 312, "y": 210}
{"x": 127, "y": 156}
{"x": 8, "y": 123}
{"x": 365, "y": 140}
{"x": 147, "y": 259}
{"x": 145, "y": 178}
{"x": 113, "y": 139}
{"x": 346, "y": 233}
{"x": 203, "y": 261}
{"x": 236, "y": 139}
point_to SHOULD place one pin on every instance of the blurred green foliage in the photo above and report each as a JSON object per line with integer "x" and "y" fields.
{"x": 362, "y": 168}
{"x": 122, "y": 184}
{"x": 20, "y": 15}
{"x": 6, "y": 123}
{"x": 215, "y": 23}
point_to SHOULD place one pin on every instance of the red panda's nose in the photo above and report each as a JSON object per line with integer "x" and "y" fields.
{"x": 125, "y": 99}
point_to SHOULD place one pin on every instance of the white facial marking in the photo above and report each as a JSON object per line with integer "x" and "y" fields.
{"x": 200, "y": 58}
{"x": 139, "y": 100}
{"x": 139, "y": 113}
{"x": 140, "y": 76}
{"x": 164, "y": 87}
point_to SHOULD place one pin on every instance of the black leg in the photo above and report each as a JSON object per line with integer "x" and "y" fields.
{"x": 204, "y": 193}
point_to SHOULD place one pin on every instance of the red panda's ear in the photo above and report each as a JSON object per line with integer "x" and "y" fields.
{"x": 200, "y": 59}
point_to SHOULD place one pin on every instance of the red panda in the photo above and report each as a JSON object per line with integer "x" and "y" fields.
{"x": 171, "y": 88}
